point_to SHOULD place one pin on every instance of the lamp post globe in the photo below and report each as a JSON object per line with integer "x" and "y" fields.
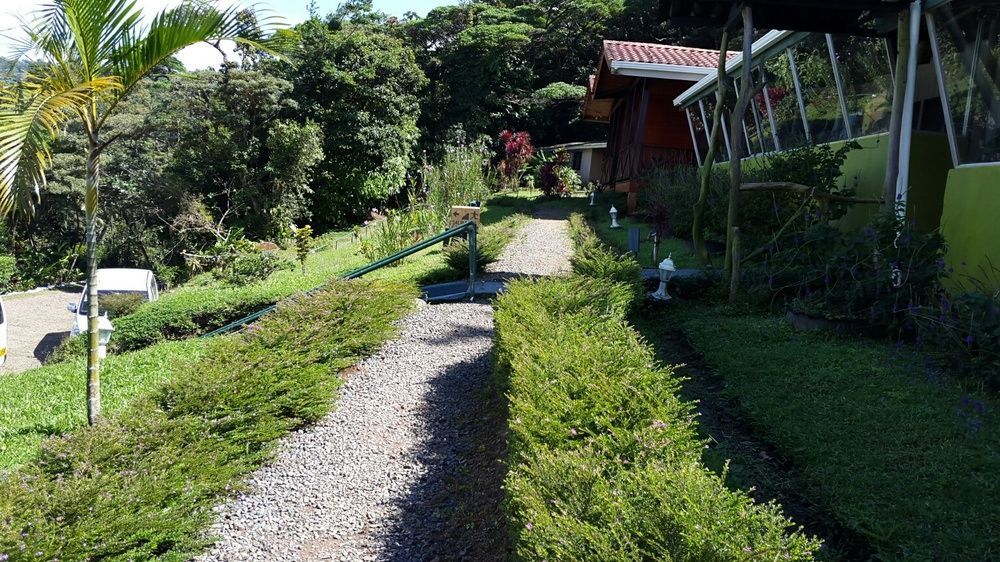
{"x": 666, "y": 269}
{"x": 614, "y": 217}
{"x": 104, "y": 331}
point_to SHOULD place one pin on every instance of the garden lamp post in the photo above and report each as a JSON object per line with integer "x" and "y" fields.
{"x": 667, "y": 270}
{"x": 614, "y": 218}
{"x": 592, "y": 195}
{"x": 104, "y": 331}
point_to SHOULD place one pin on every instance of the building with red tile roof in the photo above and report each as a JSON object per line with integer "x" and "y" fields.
{"x": 633, "y": 91}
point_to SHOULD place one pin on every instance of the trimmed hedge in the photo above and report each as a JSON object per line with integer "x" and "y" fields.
{"x": 142, "y": 484}
{"x": 592, "y": 258}
{"x": 605, "y": 463}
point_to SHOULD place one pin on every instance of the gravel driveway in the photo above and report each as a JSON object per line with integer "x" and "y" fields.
{"x": 409, "y": 465}
{"x": 36, "y": 323}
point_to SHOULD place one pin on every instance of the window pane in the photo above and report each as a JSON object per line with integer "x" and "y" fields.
{"x": 700, "y": 136}
{"x": 709, "y": 102}
{"x": 819, "y": 89}
{"x": 784, "y": 104}
{"x": 867, "y": 81}
{"x": 969, "y": 43}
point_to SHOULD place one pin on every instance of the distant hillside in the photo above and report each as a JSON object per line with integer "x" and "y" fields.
{"x": 9, "y": 72}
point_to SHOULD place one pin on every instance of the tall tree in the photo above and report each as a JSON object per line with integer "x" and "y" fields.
{"x": 92, "y": 54}
{"x": 361, "y": 85}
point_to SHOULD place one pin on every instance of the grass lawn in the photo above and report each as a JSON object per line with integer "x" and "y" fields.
{"x": 50, "y": 400}
{"x": 618, "y": 238}
{"x": 901, "y": 455}
{"x": 141, "y": 485}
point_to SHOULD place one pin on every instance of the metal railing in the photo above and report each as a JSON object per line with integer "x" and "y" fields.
{"x": 468, "y": 228}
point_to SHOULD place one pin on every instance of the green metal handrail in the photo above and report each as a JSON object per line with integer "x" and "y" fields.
{"x": 469, "y": 227}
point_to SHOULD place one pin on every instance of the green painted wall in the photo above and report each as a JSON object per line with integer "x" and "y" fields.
{"x": 863, "y": 170}
{"x": 970, "y": 222}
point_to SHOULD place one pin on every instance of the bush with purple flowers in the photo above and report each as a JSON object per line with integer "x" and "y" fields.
{"x": 873, "y": 278}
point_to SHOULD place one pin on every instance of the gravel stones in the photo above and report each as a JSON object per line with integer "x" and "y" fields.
{"x": 407, "y": 466}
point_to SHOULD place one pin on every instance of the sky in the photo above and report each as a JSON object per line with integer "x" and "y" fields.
{"x": 204, "y": 56}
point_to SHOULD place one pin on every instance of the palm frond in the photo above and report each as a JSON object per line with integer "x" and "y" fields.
{"x": 30, "y": 118}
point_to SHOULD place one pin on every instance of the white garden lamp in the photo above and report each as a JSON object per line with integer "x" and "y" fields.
{"x": 592, "y": 195}
{"x": 667, "y": 270}
{"x": 104, "y": 331}
{"x": 614, "y": 218}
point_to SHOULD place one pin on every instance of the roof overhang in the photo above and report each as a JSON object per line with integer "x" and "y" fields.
{"x": 860, "y": 17}
{"x": 764, "y": 48}
{"x": 658, "y": 70}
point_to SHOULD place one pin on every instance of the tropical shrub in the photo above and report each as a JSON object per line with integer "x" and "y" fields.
{"x": 517, "y": 149}
{"x": 121, "y": 304}
{"x": 141, "y": 484}
{"x": 604, "y": 456}
{"x": 8, "y": 269}
{"x": 874, "y": 276}
{"x": 963, "y": 331}
{"x": 556, "y": 177}
{"x": 397, "y": 231}
{"x": 459, "y": 179}
{"x": 670, "y": 194}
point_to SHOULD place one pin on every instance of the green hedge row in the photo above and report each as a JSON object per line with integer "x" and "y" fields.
{"x": 605, "y": 462}
{"x": 142, "y": 484}
{"x": 604, "y": 457}
{"x": 593, "y": 258}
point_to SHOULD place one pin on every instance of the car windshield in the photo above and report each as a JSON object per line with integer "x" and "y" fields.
{"x": 84, "y": 303}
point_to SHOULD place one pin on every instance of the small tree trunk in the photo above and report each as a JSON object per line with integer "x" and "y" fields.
{"x": 93, "y": 335}
{"x": 698, "y": 226}
{"x": 734, "y": 280}
{"x": 896, "y": 119}
{"x": 735, "y": 163}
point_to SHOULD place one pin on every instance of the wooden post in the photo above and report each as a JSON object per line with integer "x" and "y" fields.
{"x": 698, "y": 225}
{"x": 734, "y": 279}
{"x": 735, "y": 161}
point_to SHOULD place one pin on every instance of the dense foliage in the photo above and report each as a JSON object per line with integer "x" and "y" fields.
{"x": 343, "y": 122}
{"x": 141, "y": 484}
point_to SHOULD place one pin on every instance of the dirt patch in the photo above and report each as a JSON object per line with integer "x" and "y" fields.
{"x": 36, "y": 324}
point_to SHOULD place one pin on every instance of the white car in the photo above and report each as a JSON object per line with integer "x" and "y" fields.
{"x": 115, "y": 281}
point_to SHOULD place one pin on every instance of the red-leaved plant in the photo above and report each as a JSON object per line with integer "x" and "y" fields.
{"x": 517, "y": 149}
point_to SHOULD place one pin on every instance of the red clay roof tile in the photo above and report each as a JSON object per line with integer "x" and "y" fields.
{"x": 661, "y": 54}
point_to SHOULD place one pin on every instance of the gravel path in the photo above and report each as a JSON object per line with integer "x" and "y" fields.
{"x": 36, "y": 323}
{"x": 409, "y": 465}
{"x": 541, "y": 248}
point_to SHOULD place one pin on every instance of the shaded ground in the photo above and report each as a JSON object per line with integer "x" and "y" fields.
{"x": 753, "y": 464}
{"x": 36, "y": 324}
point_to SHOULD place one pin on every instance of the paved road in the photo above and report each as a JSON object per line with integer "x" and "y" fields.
{"x": 36, "y": 323}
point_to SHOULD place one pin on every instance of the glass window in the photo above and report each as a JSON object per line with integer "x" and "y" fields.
{"x": 709, "y": 103}
{"x": 969, "y": 45}
{"x": 784, "y": 103}
{"x": 867, "y": 81}
{"x": 577, "y": 162}
{"x": 812, "y": 58}
{"x": 700, "y": 136}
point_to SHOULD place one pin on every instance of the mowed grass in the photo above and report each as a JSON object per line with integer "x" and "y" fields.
{"x": 600, "y": 219}
{"x": 900, "y": 454}
{"x": 51, "y": 400}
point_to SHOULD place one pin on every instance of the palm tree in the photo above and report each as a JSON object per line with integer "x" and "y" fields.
{"x": 88, "y": 55}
